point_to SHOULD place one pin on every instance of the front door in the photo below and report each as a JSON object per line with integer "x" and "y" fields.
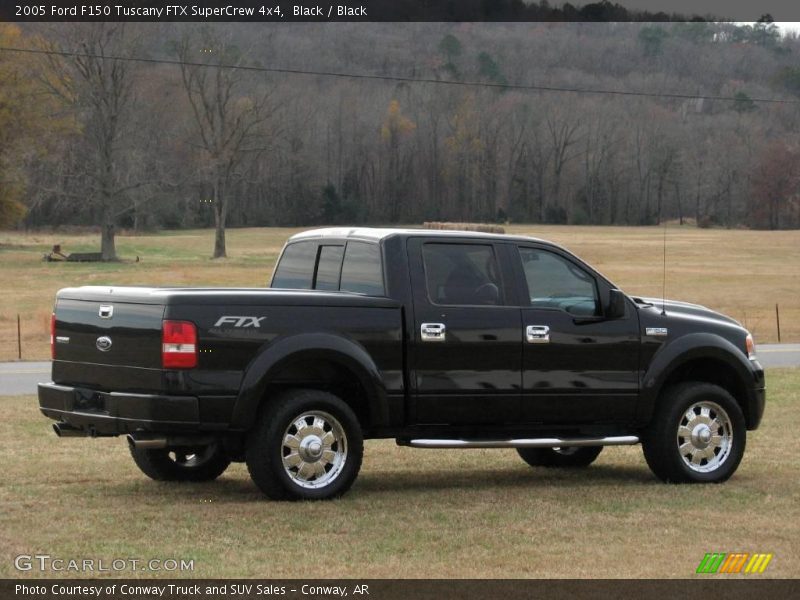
{"x": 577, "y": 366}
{"x": 466, "y": 351}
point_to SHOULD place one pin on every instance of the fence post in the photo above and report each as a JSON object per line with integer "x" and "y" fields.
{"x": 778, "y": 321}
{"x": 19, "y": 339}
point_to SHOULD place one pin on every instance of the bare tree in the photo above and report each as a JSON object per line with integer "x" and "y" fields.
{"x": 563, "y": 132}
{"x": 100, "y": 89}
{"x": 395, "y": 127}
{"x": 230, "y": 115}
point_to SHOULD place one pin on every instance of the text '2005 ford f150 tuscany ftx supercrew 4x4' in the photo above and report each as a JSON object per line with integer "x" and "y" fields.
{"x": 439, "y": 339}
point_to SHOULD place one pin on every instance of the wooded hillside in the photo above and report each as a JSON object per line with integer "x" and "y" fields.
{"x": 90, "y": 140}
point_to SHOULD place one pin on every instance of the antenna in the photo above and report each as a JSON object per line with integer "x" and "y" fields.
{"x": 664, "y": 278}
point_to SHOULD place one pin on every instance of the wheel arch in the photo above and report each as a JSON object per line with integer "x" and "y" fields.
{"x": 704, "y": 357}
{"x": 325, "y": 361}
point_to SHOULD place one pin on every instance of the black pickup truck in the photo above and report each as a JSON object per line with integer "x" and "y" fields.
{"x": 436, "y": 339}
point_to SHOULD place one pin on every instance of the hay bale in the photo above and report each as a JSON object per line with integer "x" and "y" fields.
{"x": 450, "y": 226}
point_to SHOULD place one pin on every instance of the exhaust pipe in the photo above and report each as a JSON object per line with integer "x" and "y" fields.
{"x": 67, "y": 430}
{"x": 146, "y": 443}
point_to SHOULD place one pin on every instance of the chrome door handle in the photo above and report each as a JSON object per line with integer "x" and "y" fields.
{"x": 537, "y": 334}
{"x": 432, "y": 332}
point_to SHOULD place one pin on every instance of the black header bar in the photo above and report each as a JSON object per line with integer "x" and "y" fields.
{"x": 245, "y": 11}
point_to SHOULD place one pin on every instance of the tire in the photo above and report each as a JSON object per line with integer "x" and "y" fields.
{"x": 306, "y": 445}
{"x": 205, "y": 463}
{"x": 697, "y": 435}
{"x": 572, "y": 456}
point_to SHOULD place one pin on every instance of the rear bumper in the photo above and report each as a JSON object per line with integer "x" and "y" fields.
{"x": 114, "y": 413}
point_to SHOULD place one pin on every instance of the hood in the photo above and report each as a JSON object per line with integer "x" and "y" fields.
{"x": 676, "y": 308}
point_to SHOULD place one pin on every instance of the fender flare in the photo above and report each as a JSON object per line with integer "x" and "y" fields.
{"x": 678, "y": 352}
{"x": 324, "y": 346}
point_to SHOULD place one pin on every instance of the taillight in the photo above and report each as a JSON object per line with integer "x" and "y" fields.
{"x": 178, "y": 345}
{"x": 53, "y": 336}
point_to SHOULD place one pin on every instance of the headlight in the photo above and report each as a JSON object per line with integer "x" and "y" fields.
{"x": 751, "y": 346}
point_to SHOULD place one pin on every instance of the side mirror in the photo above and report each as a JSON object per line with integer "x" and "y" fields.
{"x": 616, "y": 305}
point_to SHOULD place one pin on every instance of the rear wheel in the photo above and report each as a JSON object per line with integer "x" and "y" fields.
{"x": 306, "y": 445}
{"x": 203, "y": 463}
{"x": 697, "y": 435}
{"x": 568, "y": 456}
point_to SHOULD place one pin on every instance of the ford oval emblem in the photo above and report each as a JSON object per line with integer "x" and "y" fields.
{"x": 103, "y": 343}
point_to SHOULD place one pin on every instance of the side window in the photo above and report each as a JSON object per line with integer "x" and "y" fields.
{"x": 361, "y": 270}
{"x": 555, "y": 282}
{"x": 462, "y": 274}
{"x": 296, "y": 268}
{"x": 329, "y": 267}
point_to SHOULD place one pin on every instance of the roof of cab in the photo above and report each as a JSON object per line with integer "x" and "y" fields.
{"x": 380, "y": 233}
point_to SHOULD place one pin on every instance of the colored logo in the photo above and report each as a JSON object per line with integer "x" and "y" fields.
{"x": 734, "y": 562}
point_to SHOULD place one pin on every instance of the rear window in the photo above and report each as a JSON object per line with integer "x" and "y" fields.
{"x": 307, "y": 265}
{"x": 296, "y": 268}
{"x": 329, "y": 267}
{"x": 361, "y": 269}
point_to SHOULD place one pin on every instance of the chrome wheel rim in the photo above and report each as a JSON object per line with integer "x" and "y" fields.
{"x": 705, "y": 436}
{"x": 314, "y": 449}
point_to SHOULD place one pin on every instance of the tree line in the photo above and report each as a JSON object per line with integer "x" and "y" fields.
{"x": 198, "y": 134}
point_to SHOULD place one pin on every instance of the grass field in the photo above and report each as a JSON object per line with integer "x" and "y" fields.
{"x": 411, "y": 513}
{"x": 741, "y": 273}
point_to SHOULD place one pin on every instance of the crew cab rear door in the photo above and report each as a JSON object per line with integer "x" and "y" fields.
{"x": 578, "y": 367}
{"x": 465, "y": 354}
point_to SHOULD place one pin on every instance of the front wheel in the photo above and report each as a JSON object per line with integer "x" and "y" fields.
{"x": 306, "y": 445}
{"x": 568, "y": 456}
{"x": 203, "y": 463}
{"x": 697, "y": 435}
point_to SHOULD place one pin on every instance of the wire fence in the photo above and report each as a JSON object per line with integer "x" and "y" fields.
{"x": 24, "y": 336}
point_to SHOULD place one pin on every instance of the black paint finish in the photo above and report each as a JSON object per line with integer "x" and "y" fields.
{"x": 596, "y": 374}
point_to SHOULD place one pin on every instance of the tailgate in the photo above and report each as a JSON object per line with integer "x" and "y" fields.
{"x": 91, "y": 335}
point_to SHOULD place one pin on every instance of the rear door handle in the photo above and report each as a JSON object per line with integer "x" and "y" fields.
{"x": 432, "y": 332}
{"x": 537, "y": 334}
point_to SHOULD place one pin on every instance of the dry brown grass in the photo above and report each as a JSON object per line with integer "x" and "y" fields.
{"x": 741, "y": 273}
{"x": 412, "y": 513}
{"x": 170, "y": 258}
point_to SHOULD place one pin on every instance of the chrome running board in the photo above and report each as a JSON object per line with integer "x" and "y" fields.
{"x": 621, "y": 440}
